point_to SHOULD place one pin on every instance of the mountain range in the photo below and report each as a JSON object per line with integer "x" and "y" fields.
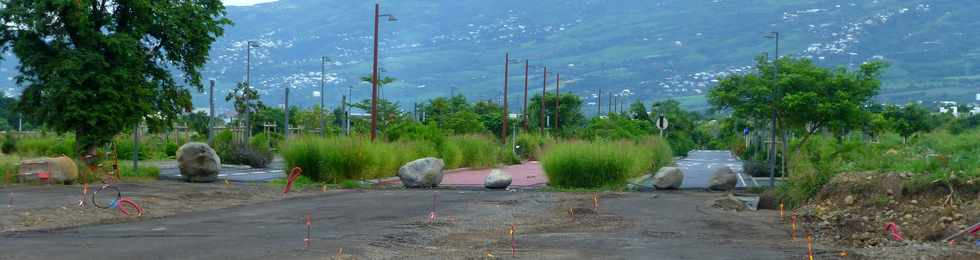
{"x": 639, "y": 49}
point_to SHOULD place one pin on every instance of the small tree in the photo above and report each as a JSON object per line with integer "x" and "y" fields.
{"x": 908, "y": 120}
{"x": 246, "y": 102}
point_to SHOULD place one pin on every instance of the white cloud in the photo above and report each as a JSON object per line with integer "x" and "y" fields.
{"x": 246, "y": 2}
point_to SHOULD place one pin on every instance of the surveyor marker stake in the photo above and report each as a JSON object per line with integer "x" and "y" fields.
{"x": 793, "y": 235}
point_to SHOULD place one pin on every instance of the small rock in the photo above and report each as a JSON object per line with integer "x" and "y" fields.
{"x": 914, "y": 202}
{"x": 497, "y": 180}
{"x": 849, "y": 200}
{"x": 908, "y": 216}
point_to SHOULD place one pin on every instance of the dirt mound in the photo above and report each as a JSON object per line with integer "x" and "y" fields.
{"x": 854, "y": 209}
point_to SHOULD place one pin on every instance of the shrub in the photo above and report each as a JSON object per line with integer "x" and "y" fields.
{"x": 529, "y": 146}
{"x": 9, "y": 145}
{"x": 451, "y": 154}
{"x": 478, "y": 151}
{"x": 603, "y": 164}
{"x": 8, "y": 168}
{"x": 247, "y": 155}
{"x": 46, "y": 146}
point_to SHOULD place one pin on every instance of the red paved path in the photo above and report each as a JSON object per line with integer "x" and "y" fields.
{"x": 525, "y": 175}
{"x": 528, "y": 174}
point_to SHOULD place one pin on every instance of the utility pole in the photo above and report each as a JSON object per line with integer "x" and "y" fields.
{"x": 323, "y": 94}
{"x": 286, "y": 112}
{"x": 136, "y": 148}
{"x": 609, "y": 110}
{"x": 772, "y": 129}
{"x": 544, "y": 92}
{"x": 347, "y": 106}
{"x": 557, "y": 101}
{"x": 374, "y": 72}
{"x": 374, "y": 76}
{"x": 524, "y": 112}
{"x": 506, "y": 116}
{"x": 211, "y": 114}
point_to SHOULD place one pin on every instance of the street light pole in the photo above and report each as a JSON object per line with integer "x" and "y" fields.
{"x": 598, "y": 106}
{"x": 506, "y": 117}
{"x": 323, "y": 94}
{"x": 772, "y": 129}
{"x": 211, "y": 114}
{"x": 524, "y": 112}
{"x": 544, "y": 92}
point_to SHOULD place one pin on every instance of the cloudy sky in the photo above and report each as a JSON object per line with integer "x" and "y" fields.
{"x": 246, "y": 2}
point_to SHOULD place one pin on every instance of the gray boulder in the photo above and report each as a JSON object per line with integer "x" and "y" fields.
{"x": 422, "y": 173}
{"x": 198, "y": 162}
{"x": 498, "y": 179}
{"x": 723, "y": 179}
{"x": 668, "y": 178}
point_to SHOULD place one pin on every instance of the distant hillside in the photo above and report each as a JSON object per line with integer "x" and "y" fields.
{"x": 643, "y": 48}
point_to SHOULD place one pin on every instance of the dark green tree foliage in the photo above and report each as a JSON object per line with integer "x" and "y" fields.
{"x": 638, "y": 111}
{"x": 454, "y": 115}
{"x": 571, "y": 112}
{"x": 8, "y": 117}
{"x": 616, "y": 127}
{"x": 811, "y": 99}
{"x": 246, "y": 101}
{"x": 97, "y": 67}
{"x": 908, "y": 120}
{"x": 681, "y": 132}
{"x": 198, "y": 122}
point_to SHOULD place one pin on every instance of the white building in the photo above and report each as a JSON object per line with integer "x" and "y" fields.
{"x": 949, "y": 107}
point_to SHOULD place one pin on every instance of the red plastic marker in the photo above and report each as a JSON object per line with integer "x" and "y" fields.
{"x": 293, "y": 175}
{"x": 894, "y": 231}
{"x": 127, "y": 201}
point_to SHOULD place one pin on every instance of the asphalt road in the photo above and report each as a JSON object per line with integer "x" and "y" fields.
{"x": 391, "y": 225}
{"x": 700, "y": 165}
{"x": 232, "y": 173}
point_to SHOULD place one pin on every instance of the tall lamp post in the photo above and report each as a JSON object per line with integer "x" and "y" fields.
{"x": 374, "y": 71}
{"x": 772, "y": 129}
{"x": 248, "y": 83}
{"x": 323, "y": 94}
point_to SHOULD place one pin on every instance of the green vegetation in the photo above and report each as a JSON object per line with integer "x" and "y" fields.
{"x": 603, "y": 164}
{"x": 336, "y": 159}
{"x": 938, "y": 160}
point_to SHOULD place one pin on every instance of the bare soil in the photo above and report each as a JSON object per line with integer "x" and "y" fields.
{"x": 51, "y": 207}
{"x": 854, "y": 208}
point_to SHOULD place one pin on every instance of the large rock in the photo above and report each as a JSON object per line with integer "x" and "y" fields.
{"x": 498, "y": 179}
{"x": 57, "y": 170}
{"x": 723, "y": 179}
{"x": 668, "y": 178}
{"x": 422, "y": 173}
{"x": 198, "y": 162}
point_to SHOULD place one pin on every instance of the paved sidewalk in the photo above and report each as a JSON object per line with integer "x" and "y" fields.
{"x": 528, "y": 174}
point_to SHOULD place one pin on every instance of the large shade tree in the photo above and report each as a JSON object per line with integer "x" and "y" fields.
{"x": 97, "y": 67}
{"x": 806, "y": 98}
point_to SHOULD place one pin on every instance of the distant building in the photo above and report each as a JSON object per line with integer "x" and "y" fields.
{"x": 949, "y": 107}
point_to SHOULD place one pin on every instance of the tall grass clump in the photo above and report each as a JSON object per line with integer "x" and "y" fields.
{"x": 602, "y": 164}
{"x": 8, "y": 168}
{"x": 478, "y": 151}
{"x": 337, "y": 159}
{"x": 45, "y": 146}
